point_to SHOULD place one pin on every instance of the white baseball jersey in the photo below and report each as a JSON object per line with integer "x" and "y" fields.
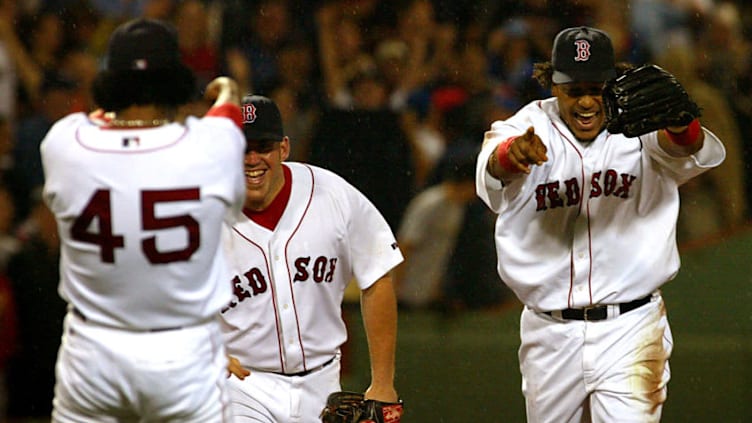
{"x": 596, "y": 222}
{"x": 289, "y": 283}
{"x": 139, "y": 214}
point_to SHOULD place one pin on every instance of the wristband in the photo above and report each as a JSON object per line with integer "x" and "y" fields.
{"x": 228, "y": 110}
{"x": 688, "y": 136}
{"x": 502, "y": 156}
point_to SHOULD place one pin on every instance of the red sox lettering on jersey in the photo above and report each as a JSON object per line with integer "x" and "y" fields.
{"x": 254, "y": 283}
{"x": 608, "y": 184}
{"x": 289, "y": 282}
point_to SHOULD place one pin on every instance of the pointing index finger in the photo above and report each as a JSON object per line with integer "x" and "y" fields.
{"x": 528, "y": 136}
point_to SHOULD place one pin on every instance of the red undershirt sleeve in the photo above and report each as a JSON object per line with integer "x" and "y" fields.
{"x": 228, "y": 110}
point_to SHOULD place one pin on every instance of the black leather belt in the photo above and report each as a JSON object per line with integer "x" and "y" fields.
{"x": 309, "y": 371}
{"x": 81, "y": 316}
{"x": 599, "y": 312}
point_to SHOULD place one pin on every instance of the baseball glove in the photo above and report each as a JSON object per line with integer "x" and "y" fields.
{"x": 645, "y": 99}
{"x": 351, "y": 407}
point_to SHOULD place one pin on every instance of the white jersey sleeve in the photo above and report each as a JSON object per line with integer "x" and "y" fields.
{"x": 710, "y": 155}
{"x": 563, "y": 230}
{"x": 139, "y": 214}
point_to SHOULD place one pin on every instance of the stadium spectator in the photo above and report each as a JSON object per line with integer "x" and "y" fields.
{"x": 196, "y": 46}
{"x": 717, "y": 197}
{"x": 367, "y": 145}
{"x": 56, "y": 94}
{"x": 34, "y": 275}
{"x": 8, "y": 318}
{"x": 253, "y": 53}
{"x": 442, "y": 239}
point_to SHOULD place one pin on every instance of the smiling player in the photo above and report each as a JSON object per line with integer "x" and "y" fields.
{"x": 305, "y": 234}
{"x": 586, "y": 236}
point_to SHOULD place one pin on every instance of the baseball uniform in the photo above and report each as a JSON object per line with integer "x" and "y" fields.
{"x": 593, "y": 225}
{"x": 139, "y": 214}
{"x": 284, "y": 322}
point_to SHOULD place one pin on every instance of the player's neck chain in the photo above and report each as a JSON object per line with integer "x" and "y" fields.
{"x": 138, "y": 123}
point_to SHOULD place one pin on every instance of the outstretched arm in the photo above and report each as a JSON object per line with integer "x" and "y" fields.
{"x": 379, "y": 308}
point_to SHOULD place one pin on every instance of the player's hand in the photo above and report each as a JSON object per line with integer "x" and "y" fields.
{"x": 526, "y": 150}
{"x": 222, "y": 90}
{"x": 100, "y": 117}
{"x": 384, "y": 393}
{"x": 234, "y": 368}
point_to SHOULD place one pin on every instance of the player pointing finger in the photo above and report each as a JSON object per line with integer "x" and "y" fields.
{"x": 526, "y": 150}
{"x": 516, "y": 154}
{"x": 613, "y": 153}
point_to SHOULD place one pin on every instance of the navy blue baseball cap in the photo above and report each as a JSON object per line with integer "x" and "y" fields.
{"x": 261, "y": 119}
{"x": 143, "y": 44}
{"x": 582, "y": 54}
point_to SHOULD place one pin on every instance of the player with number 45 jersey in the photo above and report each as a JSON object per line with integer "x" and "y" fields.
{"x": 140, "y": 199}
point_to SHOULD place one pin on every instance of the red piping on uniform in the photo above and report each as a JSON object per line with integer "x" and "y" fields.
{"x": 274, "y": 298}
{"x": 134, "y": 151}
{"x": 571, "y": 277}
{"x": 590, "y": 256}
{"x": 289, "y": 278}
{"x": 579, "y": 212}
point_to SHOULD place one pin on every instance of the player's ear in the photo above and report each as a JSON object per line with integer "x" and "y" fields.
{"x": 284, "y": 148}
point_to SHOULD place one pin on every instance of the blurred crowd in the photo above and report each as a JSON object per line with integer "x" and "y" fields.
{"x": 394, "y": 95}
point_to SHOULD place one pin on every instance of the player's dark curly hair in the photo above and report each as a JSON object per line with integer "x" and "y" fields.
{"x": 116, "y": 90}
{"x": 543, "y": 72}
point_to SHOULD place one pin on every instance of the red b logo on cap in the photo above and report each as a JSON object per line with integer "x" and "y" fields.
{"x": 249, "y": 113}
{"x": 583, "y": 50}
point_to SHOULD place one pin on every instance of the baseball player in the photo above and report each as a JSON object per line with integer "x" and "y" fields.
{"x": 585, "y": 237}
{"x": 139, "y": 202}
{"x": 304, "y": 235}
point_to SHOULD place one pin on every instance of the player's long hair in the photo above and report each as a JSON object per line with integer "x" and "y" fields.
{"x": 116, "y": 90}
{"x": 543, "y": 72}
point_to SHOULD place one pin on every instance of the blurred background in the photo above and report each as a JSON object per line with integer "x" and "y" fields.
{"x": 395, "y": 95}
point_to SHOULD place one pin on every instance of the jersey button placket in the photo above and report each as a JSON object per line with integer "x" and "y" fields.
{"x": 581, "y": 255}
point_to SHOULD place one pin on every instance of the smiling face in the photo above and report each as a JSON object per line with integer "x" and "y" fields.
{"x": 264, "y": 177}
{"x": 581, "y": 108}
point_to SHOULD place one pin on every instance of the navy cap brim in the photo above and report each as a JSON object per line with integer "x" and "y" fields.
{"x": 252, "y": 135}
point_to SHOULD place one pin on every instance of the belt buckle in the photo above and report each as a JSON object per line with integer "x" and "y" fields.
{"x": 586, "y": 312}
